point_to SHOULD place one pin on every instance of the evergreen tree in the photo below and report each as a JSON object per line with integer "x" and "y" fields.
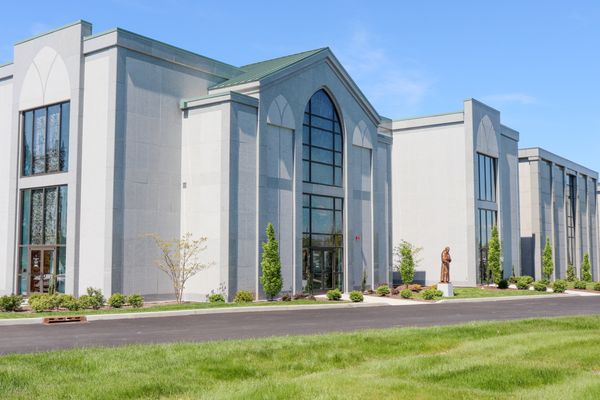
{"x": 547, "y": 262}
{"x": 571, "y": 276}
{"x": 271, "y": 265}
{"x": 495, "y": 257}
{"x": 586, "y": 269}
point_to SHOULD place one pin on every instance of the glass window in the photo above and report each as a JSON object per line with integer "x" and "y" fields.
{"x": 486, "y": 167}
{"x": 322, "y": 139}
{"x": 46, "y": 139}
{"x": 487, "y": 220}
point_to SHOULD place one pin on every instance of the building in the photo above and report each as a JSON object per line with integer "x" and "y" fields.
{"x": 107, "y": 137}
{"x": 454, "y": 176}
{"x": 558, "y": 201}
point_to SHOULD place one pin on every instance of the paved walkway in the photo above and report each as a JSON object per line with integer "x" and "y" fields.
{"x": 239, "y": 325}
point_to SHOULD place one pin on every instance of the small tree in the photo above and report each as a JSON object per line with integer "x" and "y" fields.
{"x": 179, "y": 260}
{"x": 571, "y": 275}
{"x": 363, "y": 282}
{"x": 547, "y": 262}
{"x": 494, "y": 260}
{"x": 271, "y": 265}
{"x": 586, "y": 269}
{"x": 406, "y": 261}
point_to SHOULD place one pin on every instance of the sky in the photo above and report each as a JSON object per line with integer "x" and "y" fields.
{"x": 538, "y": 62}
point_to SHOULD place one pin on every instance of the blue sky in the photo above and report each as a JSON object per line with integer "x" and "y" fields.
{"x": 538, "y": 62}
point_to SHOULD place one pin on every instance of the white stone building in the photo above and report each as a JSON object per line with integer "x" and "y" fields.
{"x": 454, "y": 176}
{"x": 558, "y": 200}
{"x": 107, "y": 137}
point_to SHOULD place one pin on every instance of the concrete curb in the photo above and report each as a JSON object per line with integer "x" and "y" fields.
{"x": 507, "y": 298}
{"x": 205, "y": 311}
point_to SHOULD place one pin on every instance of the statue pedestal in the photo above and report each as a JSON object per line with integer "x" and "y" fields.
{"x": 446, "y": 288}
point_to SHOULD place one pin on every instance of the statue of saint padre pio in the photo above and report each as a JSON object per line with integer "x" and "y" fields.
{"x": 446, "y": 259}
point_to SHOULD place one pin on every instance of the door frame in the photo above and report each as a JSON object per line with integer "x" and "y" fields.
{"x": 42, "y": 249}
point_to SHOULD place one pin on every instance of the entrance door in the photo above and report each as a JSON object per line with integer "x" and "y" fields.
{"x": 42, "y": 263}
{"x": 326, "y": 268}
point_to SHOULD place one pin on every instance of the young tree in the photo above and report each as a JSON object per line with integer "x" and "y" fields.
{"x": 547, "y": 262}
{"x": 571, "y": 275}
{"x": 271, "y": 265}
{"x": 406, "y": 261}
{"x": 180, "y": 260}
{"x": 586, "y": 269}
{"x": 363, "y": 282}
{"x": 495, "y": 257}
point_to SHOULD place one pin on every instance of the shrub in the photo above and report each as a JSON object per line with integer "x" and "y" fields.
{"x": 579, "y": 284}
{"x": 383, "y": 290}
{"x": 513, "y": 280}
{"x": 334, "y": 294}
{"x": 271, "y": 265}
{"x": 135, "y": 300}
{"x": 597, "y": 286}
{"x": 85, "y": 301}
{"x": 406, "y": 294}
{"x": 96, "y": 299}
{"x": 70, "y": 303}
{"x": 539, "y": 286}
{"x": 216, "y": 298}
{"x": 356, "y": 296}
{"x": 586, "y": 268}
{"x": 44, "y": 302}
{"x": 243, "y": 296}
{"x": 286, "y": 297}
{"x": 547, "y": 262}
{"x": 431, "y": 293}
{"x": 11, "y": 302}
{"x": 523, "y": 282}
{"x": 494, "y": 263}
{"x": 559, "y": 286}
{"x": 503, "y": 284}
{"x": 117, "y": 300}
{"x": 571, "y": 275}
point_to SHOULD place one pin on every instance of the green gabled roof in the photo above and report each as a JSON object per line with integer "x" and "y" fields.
{"x": 259, "y": 70}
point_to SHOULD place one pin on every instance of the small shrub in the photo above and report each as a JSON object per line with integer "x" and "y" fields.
{"x": 117, "y": 300}
{"x": 70, "y": 303}
{"x": 431, "y": 294}
{"x": 597, "y": 286}
{"x": 503, "y": 284}
{"x": 334, "y": 294}
{"x": 96, "y": 300}
{"x": 406, "y": 294}
{"x": 286, "y": 297}
{"x": 571, "y": 274}
{"x": 243, "y": 296}
{"x": 135, "y": 300}
{"x": 34, "y": 296}
{"x": 44, "y": 302}
{"x": 383, "y": 290}
{"x": 559, "y": 286}
{"x": 539, "y": 286}
{"x": 10, "y": 303}
{"x": 216, "y": 298}
{"x": 356, "y": 296}
{"x": 580, "y": 284}
{"x": 513, "y": 280}
{"x": 85, "y": 301}
{"x": 523, "y": 282}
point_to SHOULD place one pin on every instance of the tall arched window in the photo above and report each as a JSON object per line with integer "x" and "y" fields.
{"x": 322, "y": 148}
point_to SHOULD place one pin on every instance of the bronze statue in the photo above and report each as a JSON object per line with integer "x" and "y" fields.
{"x": 446, "y": 260}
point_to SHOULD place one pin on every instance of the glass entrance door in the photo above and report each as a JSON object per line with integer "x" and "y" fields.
{"x": 326, "y": 268}
{"x": 42, "y": 264}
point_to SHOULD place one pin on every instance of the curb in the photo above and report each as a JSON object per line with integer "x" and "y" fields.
{"x": 181, "y": 313}
{"x": 507, "y": 298}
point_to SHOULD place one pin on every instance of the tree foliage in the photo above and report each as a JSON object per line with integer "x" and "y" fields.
{"x": 586, "y": 269}
{"x": 180, "y": 260}
{"x": 571, "y": 275}
{"x": 406, "y": 260}
{"x": 271, "y": 265}
{"x": 494, "y": 261}
{"x": 547, "y": 261}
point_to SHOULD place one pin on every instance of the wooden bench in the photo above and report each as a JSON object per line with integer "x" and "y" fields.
{"x": 59, "y": 320}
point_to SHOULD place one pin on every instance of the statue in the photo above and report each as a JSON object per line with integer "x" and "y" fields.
{"x": 446, "y": 259}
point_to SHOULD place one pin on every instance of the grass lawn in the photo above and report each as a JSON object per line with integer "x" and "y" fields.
{"x": 163, "y": 307}
{"x": 590, "y": 285}
{"x": 467, "y": 293}
{"x": 555, "y": 358}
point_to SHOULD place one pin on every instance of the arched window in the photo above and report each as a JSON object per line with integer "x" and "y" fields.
{"x": 322, "y": 148}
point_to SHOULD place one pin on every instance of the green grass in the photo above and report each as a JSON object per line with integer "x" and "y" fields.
{"x": 530, "y": 359}
{"x": 469, "y": 293}
{"x": 162, "y": 307}
{"x": 590, "y": 285}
